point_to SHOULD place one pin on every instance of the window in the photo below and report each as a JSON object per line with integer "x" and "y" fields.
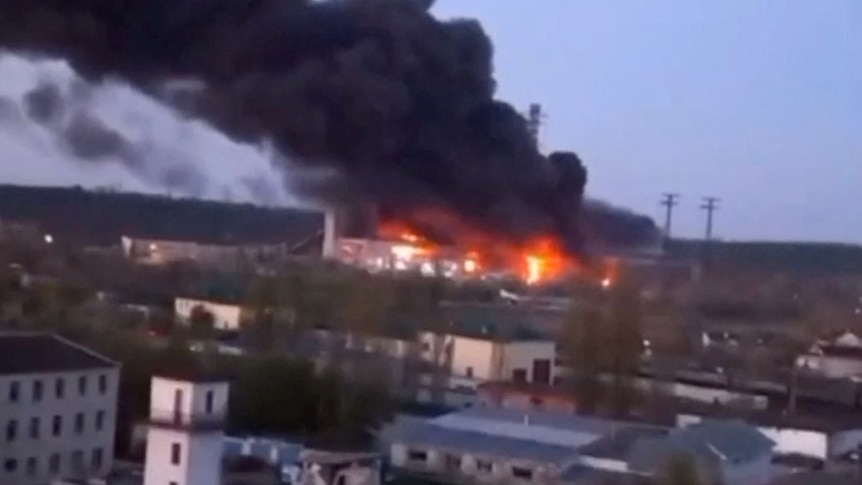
{"x": 100, "y": 420}
{"x": 209, "y": 402}
{"x": 522, "y": 473}
{"x": 484, "y": 466}
{"x": 31, "y": 466}
{"x": 10, "y": 465}
{"x": 37, "y": 390}
{"x": 469, "y": 372}
{"x": 78, "y": 461}
{"x": 175, "y": 454}
{"x": 34, "y": 428}
{"x": 57, "y": 425}
{"x": 417, "y": 455}
{"x": 14, "y": 390}
{"x": 54, "y": 463}
{"x": 452, "y": 462}
{"x": 82, "y": 385}
{"x": 103, "y": 384}
{"x": 11, "y": 430}
{"x": 96, "y": 459}
{"x": 519, "y": 375}
{"x": 59, "y": 388}
{"x": 79, "y": 423}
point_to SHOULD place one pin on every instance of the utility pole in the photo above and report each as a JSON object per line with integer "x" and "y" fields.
{"x": 710, "y": 206}
{"x": 669, "y": 201}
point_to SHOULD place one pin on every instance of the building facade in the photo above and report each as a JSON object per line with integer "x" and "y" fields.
{"x": 227, "y": 317}
{"x": 57, "y": 408}
{"x": 489, "y": 359}
{"x": 185, "y": 437}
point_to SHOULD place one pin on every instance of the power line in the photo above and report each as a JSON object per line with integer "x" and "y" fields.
{"x": 710, "y": 205}
{"x": 669, "y": 201}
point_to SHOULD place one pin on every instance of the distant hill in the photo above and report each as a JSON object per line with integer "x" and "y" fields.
{"x": 769, "y": 256}
{"x": 101, "y": 218}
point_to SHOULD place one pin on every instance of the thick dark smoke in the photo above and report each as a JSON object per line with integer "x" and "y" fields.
{"x": 399, "y": 103}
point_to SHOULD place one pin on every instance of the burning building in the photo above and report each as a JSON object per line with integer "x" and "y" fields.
{"x": 439, "y": 245}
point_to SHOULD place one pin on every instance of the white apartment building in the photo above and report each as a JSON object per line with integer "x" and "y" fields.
{"x": 226, "y": 316}
{"x": 58, "y": 405}
{"x": 185, "y": 439}
{"x": 488, "y": 358}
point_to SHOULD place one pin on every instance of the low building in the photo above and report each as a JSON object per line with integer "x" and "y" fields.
{"x": 526, "y": 397}
{"x": 483, "y": 445}
{"x": 58, "y": 404}
{"x": 485, "y": 353}
{"x": 832, "y": 361}
{"x": 727, "y": 452}
{"x": 225, "y": 316}
{"x": 185, "y": 437}
{"x": 160, "y": 252}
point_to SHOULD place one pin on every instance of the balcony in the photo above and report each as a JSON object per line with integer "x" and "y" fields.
{"x": 204, "y": 422}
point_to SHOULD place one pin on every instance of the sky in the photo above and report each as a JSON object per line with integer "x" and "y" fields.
{"x": 758, "y": 102}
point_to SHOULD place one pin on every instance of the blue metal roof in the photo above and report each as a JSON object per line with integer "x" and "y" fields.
{"x": 424, "y": 434}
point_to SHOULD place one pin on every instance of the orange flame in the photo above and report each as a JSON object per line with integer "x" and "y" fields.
{"x": 539, "y": 260}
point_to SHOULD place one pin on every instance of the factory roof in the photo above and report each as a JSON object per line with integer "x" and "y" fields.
{"x": 541, "y": 426}
{"x": 31, "y": 353}
{"x": 620, "y": 443}
{"x": 733, "y": 441}
{"x": 479, "y": 443}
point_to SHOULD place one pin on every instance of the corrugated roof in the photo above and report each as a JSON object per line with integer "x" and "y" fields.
{"x": 620, "y": 443}
{"x": 733, "y": 440}
{"x": 426, "y": 434}
{"x": 30, "y": 353}
{"x": 712, "y": 440}
{"x": 541, "y": 426}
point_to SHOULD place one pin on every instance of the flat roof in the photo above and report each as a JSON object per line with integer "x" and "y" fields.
{"x": 34, "y": 353}
{"x": 478, "y": 443}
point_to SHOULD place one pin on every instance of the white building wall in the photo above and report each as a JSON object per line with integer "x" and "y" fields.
{"x": 67, "y": 407}
{"x": 200, "y": 450}
{"x": 831, "y": 366}
{"x": 225, "y": 316}
{"x": 487, "y": 360}
{"x": 500, "y": 471}
{"x": 521, "y": 355}
{"x": 158, "y": 469}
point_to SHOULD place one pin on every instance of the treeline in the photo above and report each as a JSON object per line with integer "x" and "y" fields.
{"x": 101, "y": 218}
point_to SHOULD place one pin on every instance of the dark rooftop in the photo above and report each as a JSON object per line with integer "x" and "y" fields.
{"x": 30, "y": 353}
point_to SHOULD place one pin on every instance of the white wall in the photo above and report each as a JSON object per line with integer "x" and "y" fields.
{"x": 487, "y": 360}
{"x": 501, "y": 467}
{"x": 520, "y": 355}
{"x": 162, "y": 392}
{"x": 225, "y": 317}
{"x": 831, "y": 366}
{"x": 67, "y": 407}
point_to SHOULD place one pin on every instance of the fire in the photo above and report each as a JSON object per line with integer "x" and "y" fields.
{"x": 476, "y": 252}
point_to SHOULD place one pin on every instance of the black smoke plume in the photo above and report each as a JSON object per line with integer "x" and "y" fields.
{"x": 399, "y": 103}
